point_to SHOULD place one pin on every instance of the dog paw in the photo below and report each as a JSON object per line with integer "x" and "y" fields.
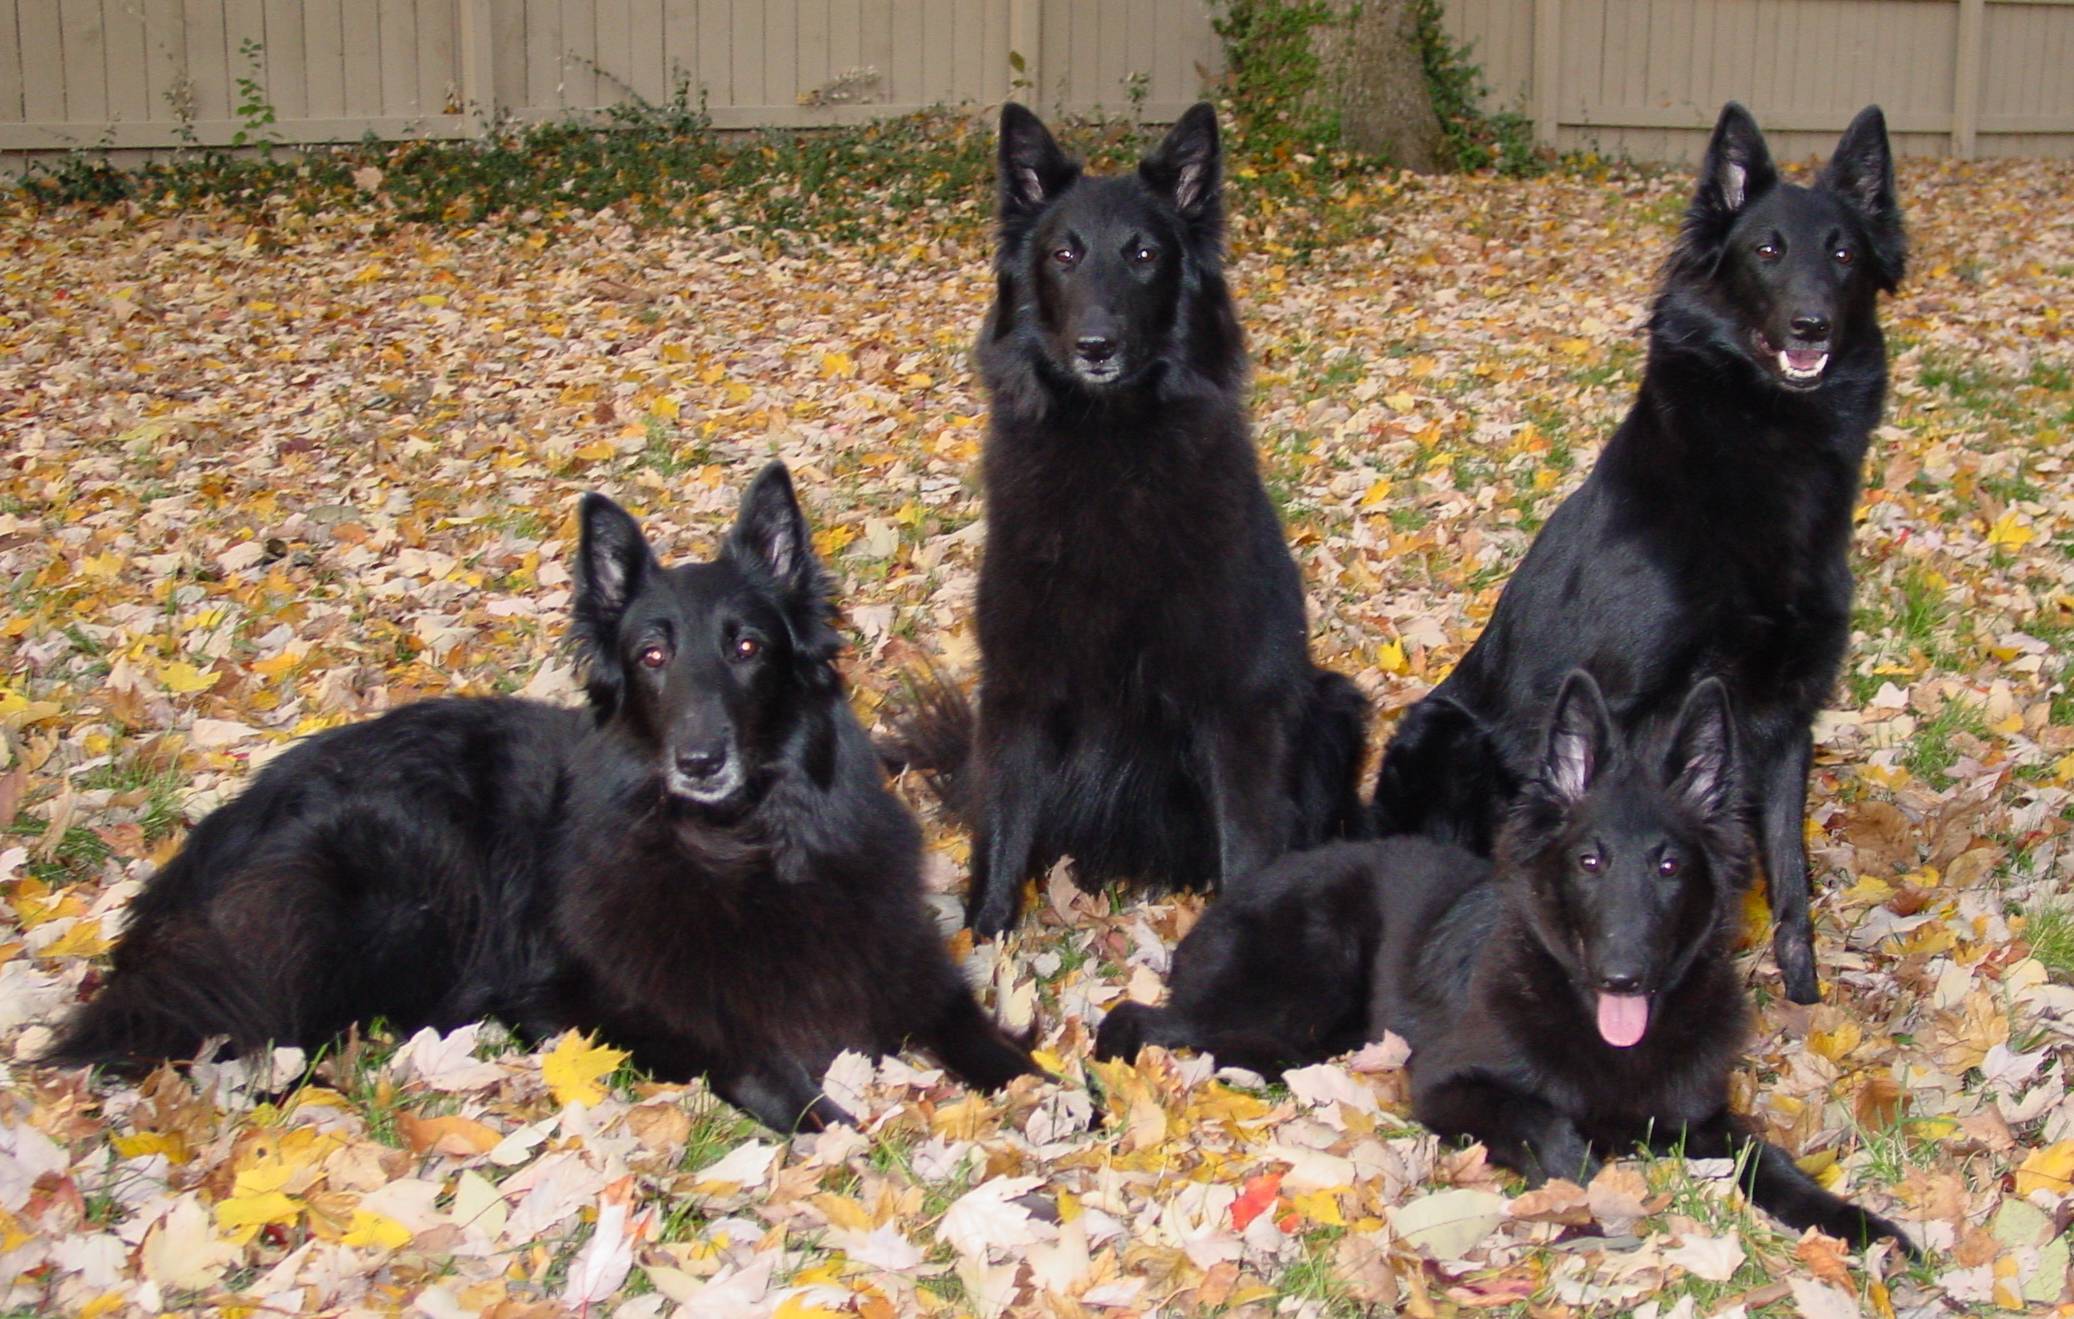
{"x": 1122, "y": 1032}
{"x": 1796, "y": 958}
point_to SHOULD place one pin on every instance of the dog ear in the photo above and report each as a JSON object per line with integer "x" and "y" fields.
{"x": 1578, "y": 736}
{"x": 771, "y": 532}
{"x": 1188, "y": 166}
{"x": 1738, "y": 168}
{"x": 1701, "y": 763}
{"x": 1862, "y": 172}
{"x": 1033, "y": 169}
{"x": 611, "y": 562}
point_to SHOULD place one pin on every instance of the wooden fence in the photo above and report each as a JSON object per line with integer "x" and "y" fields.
{"x": 1639, "y": 77}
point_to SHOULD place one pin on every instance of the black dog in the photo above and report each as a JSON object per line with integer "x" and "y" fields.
{"x": 1576, "y": 1001}
{"x": 1711, "y": 538}
{"x": 1147, "y": 701}
{"x": 706, "y": 866}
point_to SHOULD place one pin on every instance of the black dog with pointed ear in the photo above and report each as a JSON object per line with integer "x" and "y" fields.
{"x": 1148, "y": 705}
{"x": 1713, "y": 537}
{"x": 707, "y": 867}
{"x": 1566, "y": 1001}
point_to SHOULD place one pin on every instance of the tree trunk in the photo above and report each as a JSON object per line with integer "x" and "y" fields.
{"x": 1369, "y": 67}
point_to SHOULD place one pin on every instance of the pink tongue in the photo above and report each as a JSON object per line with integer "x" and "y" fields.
{"x": 1623, "y": 1018}
{"x": 1803, "y": 359}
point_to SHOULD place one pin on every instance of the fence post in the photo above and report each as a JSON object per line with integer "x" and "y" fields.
{"x": 1966, "y": 78}
{"x": 1026, "y": 38}
{"x": 1548, "y": 58}
{"x": 478, "y": 64}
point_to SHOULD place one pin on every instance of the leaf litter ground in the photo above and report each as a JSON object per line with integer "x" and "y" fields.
{"x": 260, "y": 479}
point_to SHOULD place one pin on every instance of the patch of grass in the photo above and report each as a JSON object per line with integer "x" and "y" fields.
{"x": 2050, "y": 932}
{"x": 1930, "y": 752}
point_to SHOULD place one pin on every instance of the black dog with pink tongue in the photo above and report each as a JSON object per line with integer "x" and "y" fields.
{"x": 1570, "y": 1000}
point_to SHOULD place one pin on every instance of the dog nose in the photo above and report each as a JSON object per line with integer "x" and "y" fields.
{"x": 1621, "y": 983}
{"x": 702, "y": 762}
{"x": 1096, "y": 347}
{"x": 1811, "y": 327}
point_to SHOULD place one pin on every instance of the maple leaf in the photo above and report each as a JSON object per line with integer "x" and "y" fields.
{"x": 574, "y": 1066}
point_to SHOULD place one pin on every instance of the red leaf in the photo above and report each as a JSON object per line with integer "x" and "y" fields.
{"x": 1260, "y": 1192}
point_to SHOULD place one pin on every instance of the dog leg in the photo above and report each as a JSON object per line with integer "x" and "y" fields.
{"x": 783, "y": 1098}
{"x": 1001, "y": 854}
{"x": 973, "y": 1045}
{"x": 1244, "y": 763}
{"x": 1776, "y": 1185}
{"x": 1520, "y": 1130}
{"x": 1784, "y": 783}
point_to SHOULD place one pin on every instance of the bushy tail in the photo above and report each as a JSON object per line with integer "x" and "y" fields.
{"x": 933, "y": 737}
{"x": 1331, "y": 743}
{"x": 167, "y": 995}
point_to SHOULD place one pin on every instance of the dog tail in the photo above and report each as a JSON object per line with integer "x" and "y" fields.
{"x": 165, "y": 1003}
{"x": 1442, "y": 778}
{"x": 1331, "y": 742}
{"x": 176, "y": 984}
{"x": 933, "y": 737}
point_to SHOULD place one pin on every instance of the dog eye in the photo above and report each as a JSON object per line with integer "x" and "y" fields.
{"x": 747, "y": 648}
{"x": 1144, "y": 253}
{"x": 654, "y": 657}
{"x": 1769, "y": 251}
{"x": 1669, "y": 866}
{"x": 1842, "y": 255}
{"x": 1589, "y": 862}
{"x": 1065, "y": 256}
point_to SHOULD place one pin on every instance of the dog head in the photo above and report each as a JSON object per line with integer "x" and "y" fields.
{"x": 708, "y": 667}
{"x": 1791, "y": 274}
{"x": 1630, "y": 855}
{"x": 1100, "y": 269}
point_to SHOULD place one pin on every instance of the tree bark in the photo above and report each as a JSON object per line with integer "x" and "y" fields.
{"x": 1369, "y": 67}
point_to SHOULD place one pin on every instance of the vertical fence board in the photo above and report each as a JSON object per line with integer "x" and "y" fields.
{"x": 129, "y": 91}
{"x": 287, "y": 68}
{"x": 324, "y": 69}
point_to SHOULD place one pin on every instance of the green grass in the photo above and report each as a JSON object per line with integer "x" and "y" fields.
{"x": 2050, "y": 932}
{"x": 1930, "y": 752}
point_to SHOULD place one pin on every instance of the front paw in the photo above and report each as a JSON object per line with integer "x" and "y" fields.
{"x": 1561, "y": 1153}
{"x": 991, "y": 917}
{"x": 1796, "y": 956}
{"x": 1123, "y": 1032}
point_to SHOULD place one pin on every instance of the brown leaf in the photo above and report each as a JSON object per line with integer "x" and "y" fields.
{"x": 446, "y": 1135}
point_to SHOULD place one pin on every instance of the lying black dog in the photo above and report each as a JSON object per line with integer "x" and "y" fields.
{"x": 705, "y": 865}
{"x": 1574, "y": 1000}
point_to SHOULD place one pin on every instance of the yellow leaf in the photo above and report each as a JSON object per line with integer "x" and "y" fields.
{"x": 369, "y": 1228}
{"x": 370, "y": 272}
{"x": 82, "y": 940}
{"x": 183, "y": 678}
{"x": 139, "y": 1144}
{"x": 1391, "y": 656}
{"x": 1400, "y": 401}
{"x": 572, "y": 1070}
{"x": 1376, "y": 492}
{"x": 1318, "y": 1206}
{"x": 843, "y": 1211}
{"x": 838, "y": 366}
{"x": 1575, "y": 347}
{"x": 596, "y": 451}
{"x": 2050, "y": 1169}
{"x": 1836, "y": 1045}
{"x": 665, "y": 407}
{"x": 102, "y": 566}
{"x": 432, "y": 299}
{"x": 798, "y": 1307}
{"x": 254, "y": 1211}
{"x": 828, "y": 540}
{"x": 2010, "y": 534}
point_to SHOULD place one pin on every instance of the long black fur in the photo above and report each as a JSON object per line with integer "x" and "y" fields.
{"x": 1147, "y": 701}
{"x": 1618, "y": 870}
{"x": 1712, "y": 537}
{"x": 705, "y": 866}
